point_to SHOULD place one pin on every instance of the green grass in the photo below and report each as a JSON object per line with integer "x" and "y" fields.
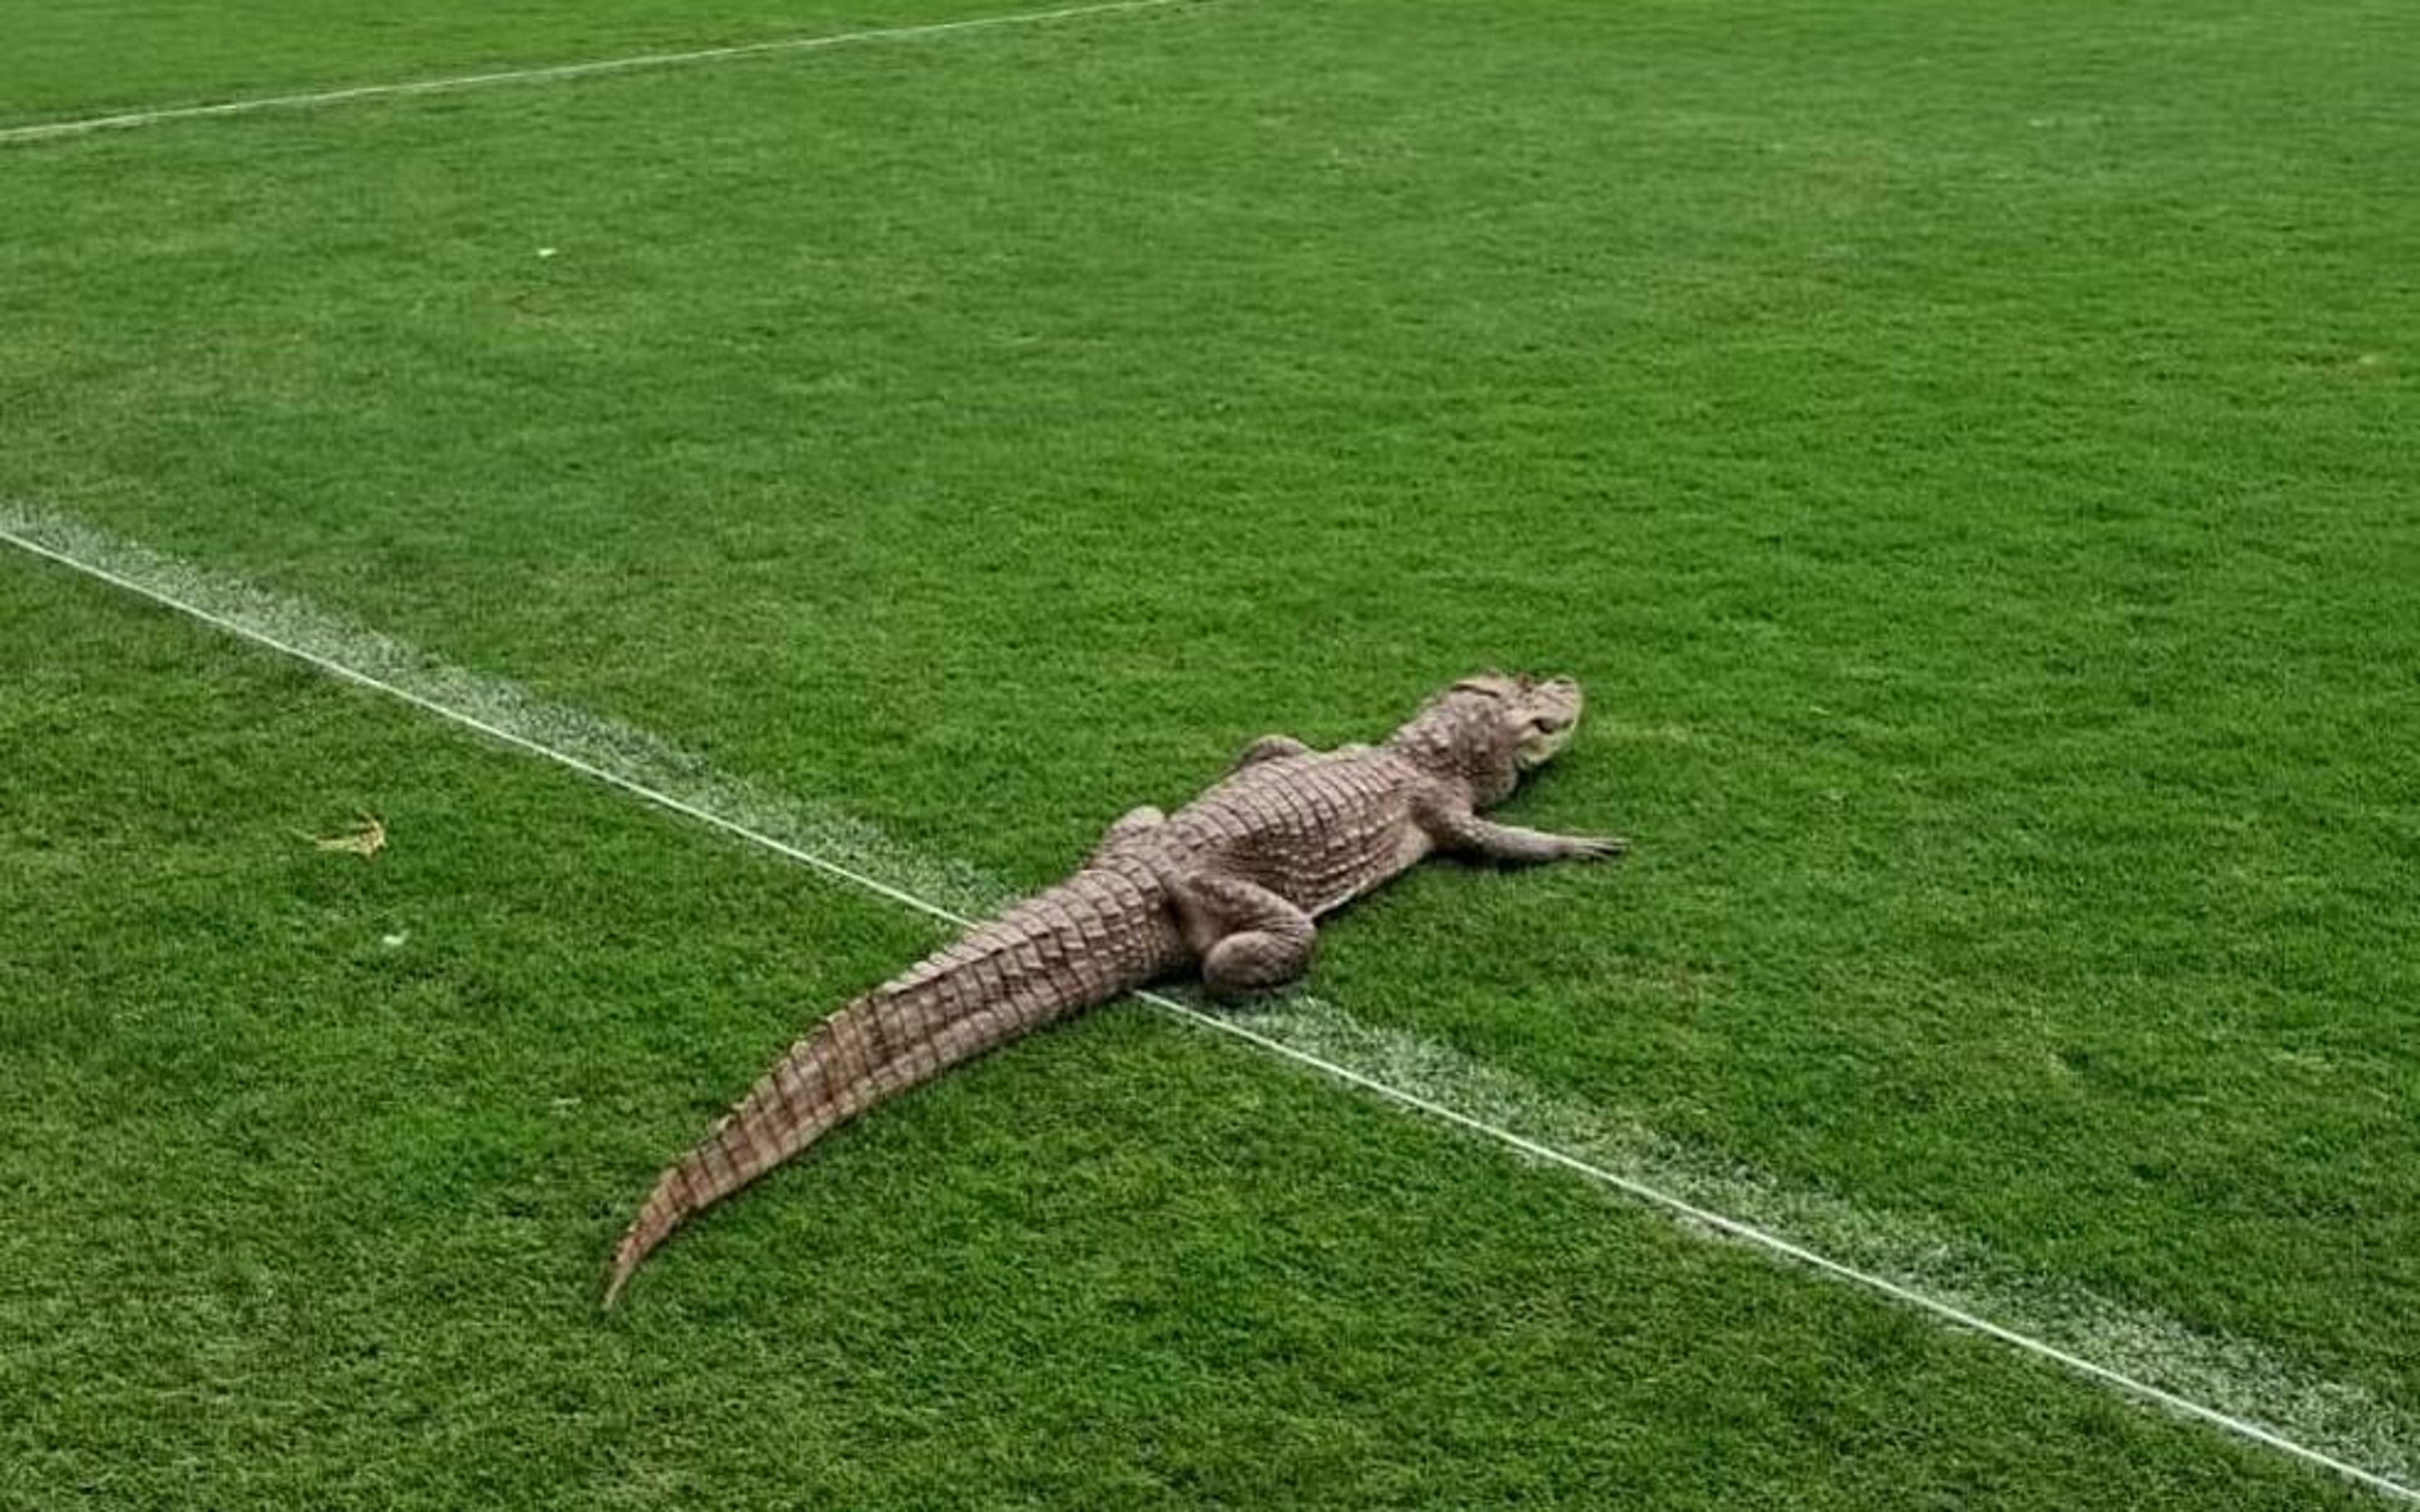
{"x": 101, "y": 56}
{"x": 1964, "y": 452}
{"x": 317, "y": 1220}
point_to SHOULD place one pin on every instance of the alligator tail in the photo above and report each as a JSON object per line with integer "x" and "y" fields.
{"x": 1084, "y": 942}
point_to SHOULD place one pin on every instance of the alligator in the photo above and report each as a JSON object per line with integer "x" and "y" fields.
{"x": 1229, "y": 886}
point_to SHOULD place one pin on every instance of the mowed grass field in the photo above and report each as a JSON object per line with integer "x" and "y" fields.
{"x": 1965, "y": 452}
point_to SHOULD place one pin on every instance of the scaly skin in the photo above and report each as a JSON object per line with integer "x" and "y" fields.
{"x": 1228, "y": 884}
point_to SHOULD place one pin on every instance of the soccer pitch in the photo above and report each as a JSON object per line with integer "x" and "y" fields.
{"x": 1965, "y": 452}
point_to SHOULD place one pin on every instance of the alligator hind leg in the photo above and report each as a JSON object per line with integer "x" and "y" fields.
{"x": 1250, "y": 940}
{"x": 1132, "y": 823}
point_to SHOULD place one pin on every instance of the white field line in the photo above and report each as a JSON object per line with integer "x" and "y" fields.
{"x": 1953, "y": 1279}
{"x": 550, "y": 73}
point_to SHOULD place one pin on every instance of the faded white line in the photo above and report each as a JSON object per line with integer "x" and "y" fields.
{"x": 2157, "y": 1359}
{"x": 41, "y": 131}
{"x": 1916, "y": 1260}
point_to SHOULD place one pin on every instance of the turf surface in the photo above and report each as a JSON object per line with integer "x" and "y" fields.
{"x": 323, "y": 1157}
{"x": 1965, "y": 454}
{"x": 104, "y": 55}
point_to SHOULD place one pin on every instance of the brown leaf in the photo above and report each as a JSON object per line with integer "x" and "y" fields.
{"x": 364, "y": 840}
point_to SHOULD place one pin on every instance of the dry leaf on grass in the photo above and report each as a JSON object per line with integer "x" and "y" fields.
{"x": 364, "y": 840}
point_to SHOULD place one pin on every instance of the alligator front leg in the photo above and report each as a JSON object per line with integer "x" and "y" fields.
{"x": 1459, "y": 832}
{"x": 1269, "y": 748}
{"x": 1250, "y": 940}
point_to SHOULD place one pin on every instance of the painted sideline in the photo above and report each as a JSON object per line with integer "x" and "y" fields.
{"x": 1914, "y": 1263}
{"x": 41, "y": 131}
